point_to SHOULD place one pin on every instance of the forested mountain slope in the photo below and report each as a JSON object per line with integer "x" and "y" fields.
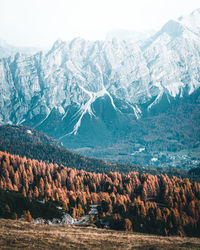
{"x": 162, "y": 205}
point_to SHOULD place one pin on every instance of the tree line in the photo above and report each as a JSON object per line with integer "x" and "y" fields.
{"x": 134, "y": 202}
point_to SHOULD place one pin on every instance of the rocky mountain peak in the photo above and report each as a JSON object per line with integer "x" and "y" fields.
{"x": 85, "y": 88}
{"x": 192, "y": 21}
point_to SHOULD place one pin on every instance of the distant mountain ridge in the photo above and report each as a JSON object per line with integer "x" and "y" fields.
{"x": 138, "y": 37}
{"x": 90, "y": 94}
{"x": 7, "y": 50}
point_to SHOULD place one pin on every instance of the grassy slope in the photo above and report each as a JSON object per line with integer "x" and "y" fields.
{"x": 15, "y": 234}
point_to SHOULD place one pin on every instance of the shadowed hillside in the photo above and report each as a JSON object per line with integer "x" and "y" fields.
{"x": 25, "y": 141}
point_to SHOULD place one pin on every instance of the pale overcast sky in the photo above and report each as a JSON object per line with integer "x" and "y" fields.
{"x": 41, "y": 22}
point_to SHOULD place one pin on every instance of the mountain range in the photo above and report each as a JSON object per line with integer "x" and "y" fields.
{"x": 7, "y": 50}
{"x": 133, "y": 36}
{"x": 115, "y": 99}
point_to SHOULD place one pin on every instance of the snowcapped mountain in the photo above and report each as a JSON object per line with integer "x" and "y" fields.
{"x": 90, "y": 93}
{"x": 130, "y": 35}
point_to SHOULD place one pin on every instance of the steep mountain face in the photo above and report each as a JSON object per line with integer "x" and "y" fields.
{"x": 92, "y": 94}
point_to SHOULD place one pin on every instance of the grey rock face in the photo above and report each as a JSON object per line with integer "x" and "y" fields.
{"x": 79, "y": 82}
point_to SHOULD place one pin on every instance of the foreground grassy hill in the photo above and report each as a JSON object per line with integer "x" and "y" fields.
{"x": 15, "y": 234}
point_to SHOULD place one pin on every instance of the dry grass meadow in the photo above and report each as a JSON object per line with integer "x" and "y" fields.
{"x": 20, "y": 235}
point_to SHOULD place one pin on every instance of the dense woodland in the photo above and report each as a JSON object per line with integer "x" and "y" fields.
{"x": 35, "y": 145}
{"x": 134, "y": 202}
{"x": 14, "y": 139}
{"x": 53, "y": 154}
{"x": 25, "y": 134}
{"x": 13, "y": 205}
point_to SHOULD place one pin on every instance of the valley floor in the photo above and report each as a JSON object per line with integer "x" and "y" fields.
{"x": 15, "y": 234}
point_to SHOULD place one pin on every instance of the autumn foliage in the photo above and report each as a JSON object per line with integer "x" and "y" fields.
{"x": 133, "y": 202}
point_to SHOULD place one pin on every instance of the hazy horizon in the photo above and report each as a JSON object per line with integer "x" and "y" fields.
{"x": 40, "y": 23}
